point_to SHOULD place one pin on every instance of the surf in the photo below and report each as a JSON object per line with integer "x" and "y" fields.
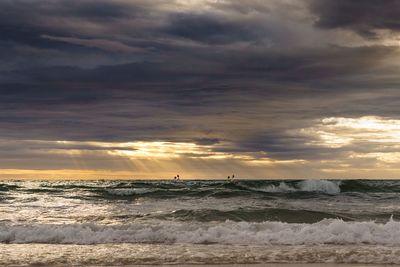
{"x": 327, "y": 231}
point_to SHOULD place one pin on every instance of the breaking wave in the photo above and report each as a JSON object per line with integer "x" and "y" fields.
{"x": 323, "y": 186}
{"x": 328, "y": 231}
{"x": 219, "y": 189}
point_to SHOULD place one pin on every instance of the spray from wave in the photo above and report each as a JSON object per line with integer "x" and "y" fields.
{"x": 322, "y": 186}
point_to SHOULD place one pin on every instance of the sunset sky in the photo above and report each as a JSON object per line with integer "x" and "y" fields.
{"x": 148, "y": 89}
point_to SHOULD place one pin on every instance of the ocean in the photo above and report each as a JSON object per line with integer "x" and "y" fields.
{"x": 115, "y": 223}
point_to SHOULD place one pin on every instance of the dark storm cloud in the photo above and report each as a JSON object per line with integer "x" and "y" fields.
{"x": 282, "y": 146}
{"x": 138, "y": 102}
{"x": 24, "y": 35}
{"x": 301, "y": 66}
{"x": 210, "y": 29}
{"x": 249, "y": 73}
{"x": 98, "y": 10}
{"x": 320, "y": 65}
{"x": 34, "y": 12}
{"x": 66, "y": 27}
{"x": 362, "y": 16}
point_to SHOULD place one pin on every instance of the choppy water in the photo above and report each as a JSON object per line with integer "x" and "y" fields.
{"x": 158, "y": 222}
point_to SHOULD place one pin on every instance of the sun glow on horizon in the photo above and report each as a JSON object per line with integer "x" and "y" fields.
{"x": 143, "y": 160}
{"x": 164, "y": 150}
{"x": 354, "y": 145}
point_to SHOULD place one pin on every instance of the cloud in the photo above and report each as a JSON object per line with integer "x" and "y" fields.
{"x": 231, "y": 77}
{"x": 107, "y": 45}
{"x": 363, "y": 17}
{"x": 367, "y": 137}
{"x": 148, "y": 160}
{"x": 210, "y": 28}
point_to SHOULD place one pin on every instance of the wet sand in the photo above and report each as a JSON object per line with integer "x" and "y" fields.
{"x": 190, "y": 255}
{"x": 271, "y": 265}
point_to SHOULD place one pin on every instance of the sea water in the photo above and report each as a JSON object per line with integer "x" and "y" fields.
{"x": 199, "y": 222}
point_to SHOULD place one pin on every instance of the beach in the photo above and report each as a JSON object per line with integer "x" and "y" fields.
{"x": 191, "y": 255}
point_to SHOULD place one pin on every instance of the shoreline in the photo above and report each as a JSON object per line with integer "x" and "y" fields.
{"x": 266, "y": 265}
{"x": 145, "y": 255}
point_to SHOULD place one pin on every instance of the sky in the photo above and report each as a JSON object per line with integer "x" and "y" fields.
{"x": 139, "y": 89}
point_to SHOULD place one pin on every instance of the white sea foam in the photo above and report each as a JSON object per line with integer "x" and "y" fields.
{"x": 282, "y": 187}
{"x": 331, "y": 187}
{"x": 325, "y": 186}
{"x": 332, "y": 231}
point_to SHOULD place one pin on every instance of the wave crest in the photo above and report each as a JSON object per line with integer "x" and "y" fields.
{"x": 328, "y": 231}
{"x": 322, "y": 186}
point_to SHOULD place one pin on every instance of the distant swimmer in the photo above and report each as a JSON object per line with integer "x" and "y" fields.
{"x": 230, "y": 179}
{"x": 177, "y": 177}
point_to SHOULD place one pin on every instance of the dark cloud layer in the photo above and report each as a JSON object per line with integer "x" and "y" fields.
{"x": 251, "y": 74}
{"x": 210, "y": 29}
{"x": 364, "y": 17}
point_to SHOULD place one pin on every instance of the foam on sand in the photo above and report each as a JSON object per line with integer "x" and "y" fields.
{"x": 184, "y": 255}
